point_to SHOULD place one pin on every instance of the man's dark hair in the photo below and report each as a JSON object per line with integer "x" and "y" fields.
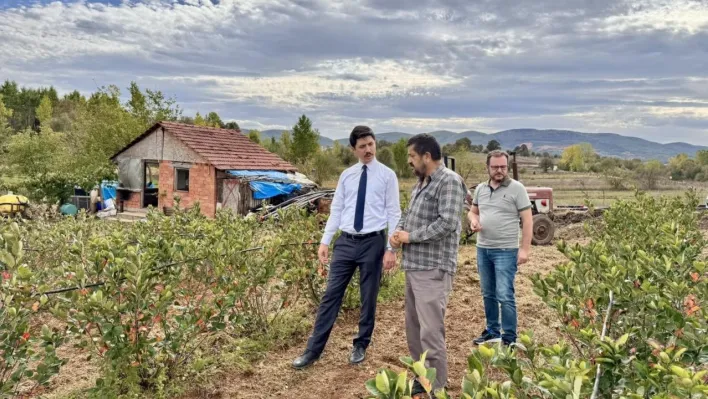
{"x": 360, "y": 132}
{"x": 497, "y": 154}
{"x": 423, "y": 143}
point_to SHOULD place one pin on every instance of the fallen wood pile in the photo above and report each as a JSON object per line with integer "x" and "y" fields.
{"x": 314, "y": 201}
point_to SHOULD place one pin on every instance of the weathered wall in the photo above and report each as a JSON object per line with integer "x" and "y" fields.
{"x": 160, "y": 145}
{"x": 237, "y": 196}
{"x": 133, "y": 202}
{"x": 202, "y": 187}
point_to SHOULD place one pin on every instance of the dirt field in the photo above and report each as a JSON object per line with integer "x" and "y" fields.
{"x": 569, "y": 188}
{"x": 333, "y": 377}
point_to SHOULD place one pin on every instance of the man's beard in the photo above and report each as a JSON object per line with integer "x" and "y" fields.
{"x": 417, "y": 172}
{"x": 498, "y": 177}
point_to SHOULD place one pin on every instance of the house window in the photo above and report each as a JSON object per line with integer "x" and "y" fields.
{"x": 182, "y": 177}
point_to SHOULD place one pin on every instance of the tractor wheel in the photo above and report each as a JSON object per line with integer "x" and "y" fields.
{"x": 543, "y": 229}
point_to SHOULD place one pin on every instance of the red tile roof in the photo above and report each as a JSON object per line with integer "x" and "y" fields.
{"x": 224, "y": 148}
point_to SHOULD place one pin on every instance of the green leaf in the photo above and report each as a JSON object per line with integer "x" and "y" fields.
{"x": 407, "y": 360}
{"x": 622, "y": 340}
{"x": 476, "y": 378}
{"x": 423, "y": 357}
{"x": 473, "y": 363}
{"x": 699, "y": 376}
{"x": 678, "y": 354}
{"x": 401, "y": 382}
{"x": 382, "y": 383}
{"x": 24, "y": 273}
{"x": 419, "y": 368}
{"x": 371, "y": 386}
{"x": 577, "y": 385}
{"x": 431, "y": 375}
{"x": 517, "y": 377}
{"x": 486, "y": 352}
{"x": 493, "y": 392}
{"x": 441, "y": 394}
{"x": 17, "y": 249}
{"x": 679, "y": 371}
{"x": 6, "y": 259}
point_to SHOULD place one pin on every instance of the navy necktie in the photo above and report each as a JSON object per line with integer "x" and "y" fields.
{"x": 360, "y": 200}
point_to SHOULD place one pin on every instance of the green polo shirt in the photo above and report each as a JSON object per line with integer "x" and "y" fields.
{"x": 499, "y": 213}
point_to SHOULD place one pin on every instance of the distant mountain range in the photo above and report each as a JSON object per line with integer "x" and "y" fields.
{"x": 551, "y": 141}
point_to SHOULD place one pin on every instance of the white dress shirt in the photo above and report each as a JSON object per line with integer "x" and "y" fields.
{"x": 382, "y": 206}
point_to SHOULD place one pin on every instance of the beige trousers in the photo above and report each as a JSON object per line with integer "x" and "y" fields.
{"x": 426, "y": 297}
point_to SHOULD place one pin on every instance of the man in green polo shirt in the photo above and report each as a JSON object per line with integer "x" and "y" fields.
{"x": 496, "y": 208}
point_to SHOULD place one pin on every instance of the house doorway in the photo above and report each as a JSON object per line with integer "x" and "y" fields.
{"x": 151, "y": 178}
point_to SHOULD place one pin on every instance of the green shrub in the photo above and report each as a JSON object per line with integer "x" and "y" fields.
{"x": 28, "y": 356}
{"x": 171, "y": 298}
{"x": 632, "y": 306}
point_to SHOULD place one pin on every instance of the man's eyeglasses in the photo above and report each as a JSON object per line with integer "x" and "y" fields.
{"x": 500, "y": 167}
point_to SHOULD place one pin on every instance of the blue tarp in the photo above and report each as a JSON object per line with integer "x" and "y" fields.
{"x": 266, "y": 189}
{"x": 108, "y": 190}
{"x": 282, "y": 184}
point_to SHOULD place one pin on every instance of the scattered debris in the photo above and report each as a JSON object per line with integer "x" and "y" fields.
{"x": 315, "y": 201}
{"x": 573, "y": 217}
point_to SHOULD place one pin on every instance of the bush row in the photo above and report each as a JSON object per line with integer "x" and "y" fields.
{"x": 150, "y": 302}
{"x": 632, "y": 306}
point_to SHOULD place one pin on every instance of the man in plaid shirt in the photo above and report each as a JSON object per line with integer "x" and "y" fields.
{"x": 429, "y": 232}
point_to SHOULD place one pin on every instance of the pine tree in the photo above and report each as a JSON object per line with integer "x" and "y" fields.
{"x": 306, "y": 141}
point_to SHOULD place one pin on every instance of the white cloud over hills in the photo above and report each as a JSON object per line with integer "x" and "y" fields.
{"x": 630, "y": 67}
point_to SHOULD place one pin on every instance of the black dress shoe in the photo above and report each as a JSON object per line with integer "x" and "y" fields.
{"x": 417, "y": 389}
{"x": 358, "y": 354}
{"x": 305, "y": 359}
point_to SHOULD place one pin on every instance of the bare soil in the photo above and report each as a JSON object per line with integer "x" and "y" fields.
{"x": 703, "y": 222}
{"x": 333, "y": 377}
{"x": 563, "y": 219}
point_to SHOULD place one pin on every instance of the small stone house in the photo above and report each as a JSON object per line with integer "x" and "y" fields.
{"x": 195, "y": 163}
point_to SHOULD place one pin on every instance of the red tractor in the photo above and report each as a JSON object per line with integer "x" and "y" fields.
{"x": 541, "y": 209}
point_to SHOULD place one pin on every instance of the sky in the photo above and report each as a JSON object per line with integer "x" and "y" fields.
{"x": 637, "y": 68}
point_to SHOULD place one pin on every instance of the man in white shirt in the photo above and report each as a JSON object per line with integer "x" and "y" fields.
{"x": 365, "y": 203}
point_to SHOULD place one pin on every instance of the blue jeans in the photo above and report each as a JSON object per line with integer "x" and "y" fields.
{"x": 497, "y": 269}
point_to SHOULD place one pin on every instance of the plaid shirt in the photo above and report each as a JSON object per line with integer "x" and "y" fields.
{"x": 434, "y": 221}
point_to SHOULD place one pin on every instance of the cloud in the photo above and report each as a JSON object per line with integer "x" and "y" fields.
{"x": 627, "y": 66}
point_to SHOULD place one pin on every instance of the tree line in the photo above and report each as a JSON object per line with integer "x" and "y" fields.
{"x": 620, "y": 173}
{"x": 49, "y": 145}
